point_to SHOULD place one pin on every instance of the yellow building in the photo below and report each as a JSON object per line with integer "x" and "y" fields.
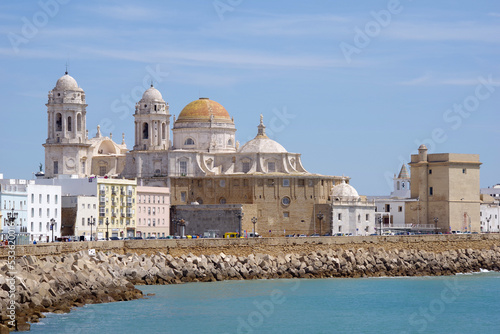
{"x": 444, "y": 191}
{"x": 117, "y": 203}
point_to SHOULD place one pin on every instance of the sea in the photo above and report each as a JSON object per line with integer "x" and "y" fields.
{"x": 464, "y": 303}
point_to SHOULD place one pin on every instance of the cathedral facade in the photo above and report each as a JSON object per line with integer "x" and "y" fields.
{"x": 202, "y": 163}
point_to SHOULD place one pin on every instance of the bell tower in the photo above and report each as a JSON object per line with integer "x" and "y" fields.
{"x": 66, "y": 144}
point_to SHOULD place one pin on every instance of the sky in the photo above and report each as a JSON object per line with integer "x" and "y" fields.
{"x": 355, "y": 87}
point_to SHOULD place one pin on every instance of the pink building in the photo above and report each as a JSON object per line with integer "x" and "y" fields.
{"x": 153, "y": 211}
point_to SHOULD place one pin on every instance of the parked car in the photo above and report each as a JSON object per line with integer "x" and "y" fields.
{"x": 314, "y": 235}
{"x": 327, "y": 234}
{"x": 251, "y": 235}
{"x": 290, "y": 235}
{"x": 302, "y": 236}
{"x": 114, "y": 238}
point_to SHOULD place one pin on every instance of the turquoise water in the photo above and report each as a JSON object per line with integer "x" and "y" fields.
{"x": 453, "y": 304}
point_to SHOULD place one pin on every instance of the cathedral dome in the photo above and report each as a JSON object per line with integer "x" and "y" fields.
{"x": 66, "y": 82}
{"x": 152, "y": 94}
{"x": 262, "y": 145}
{"x": 203, "y": 110}
{"x": 344, "y": 191}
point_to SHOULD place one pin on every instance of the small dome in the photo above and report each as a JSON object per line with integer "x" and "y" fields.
{"x": 422, "y": 147}
{"x": 344, "y": 191}
{"x": 66, "y": 82}
{"x": 262, "y": 145}
{"x": 203, "y": 110}
{"x": 152, "y": 94}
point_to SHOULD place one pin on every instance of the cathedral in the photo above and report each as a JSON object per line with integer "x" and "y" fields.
{"x": 202, "y": 163}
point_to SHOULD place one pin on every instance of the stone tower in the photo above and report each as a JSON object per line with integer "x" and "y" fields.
{"x": 152, "y": 122}
{"x": 67, "y": 143}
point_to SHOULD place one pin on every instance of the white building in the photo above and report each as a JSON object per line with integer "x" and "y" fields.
{"x": 392, "y": 208}
{"x": 44, "y": 211}
{"x": 351, "y": 213}
{"x": 13, "y": 198}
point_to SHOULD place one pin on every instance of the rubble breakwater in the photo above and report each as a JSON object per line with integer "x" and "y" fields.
{"x": 60, "y": 282}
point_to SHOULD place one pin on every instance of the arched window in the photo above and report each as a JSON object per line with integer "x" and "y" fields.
{"x": 69, "y": 123}
{"x": 155, "y": 107}
{"x": 163, "y": 128}
{"x": 230, "y": 142}
{"x": 79, "y": 122}
{"x": 145, "y": 131}
{"x": 58, "y": 122}
{"x": 189, "y": 141}
{"x": 397, "y": 185}
{"x": 222, "y": 200}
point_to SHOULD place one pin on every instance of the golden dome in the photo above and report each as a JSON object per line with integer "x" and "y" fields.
{"x": 202, "y": 110}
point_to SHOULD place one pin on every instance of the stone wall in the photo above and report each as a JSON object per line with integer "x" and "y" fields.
{"x": 435, "y": 243}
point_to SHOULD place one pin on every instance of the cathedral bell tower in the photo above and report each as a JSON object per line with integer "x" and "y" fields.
{"x": 67, "y": 142}
{"x": 152, "y": 122}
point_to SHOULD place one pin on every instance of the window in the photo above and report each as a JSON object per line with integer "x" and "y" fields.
{"x": 387, "y": 208}
{"x": 48, "y": 199}
{"x": 48, "y": 213}
{"x": 236, "y": 183}
{"x": 245, "y": 167}
{"x": 400, "y": 209}
{"x": 229, "y": 142}
{"x": 79, "y": 122}
{"x": 32, "y": 226}
{"x": 222, "y": 200}
{"x": 40, "y": 212}
{"x": 189, "y": 141}
{"x": 222, "y": 183}
{"x": 145, "y": 131}
{"x": 270, "y": 182}
{"x": 464, "y": 171}
{"x": 69, "y": 123}
{"x": 430, "y": 171}
{"x": 183, "y": 196}
{"x": 102, "y": 170}
{"x": 149, "y": 211}
{"x": 339, "y": 216}
{"x": 183, "y": 167}
{"x": 286, "y": 214}
{"x": 301, "y": 183}
{"x": 397, "y": 185}
{"x": 40, "y": 227}
{"x": 285, "y": 201}
{"x": 286, "y": 182}
{"x": 367, "y": 217}
{"x": 58, "y": 122}
{"x": 83, "y": 221}
{"x": 32, "y": 200}
{"x": 56, "y": 167}
{"x": 83, "y": 167}
{"x": 55, "y": 199}
{"x": 310, "y": 183}
{"x": 431, "y": 191}
{"x": 271, "y": 167}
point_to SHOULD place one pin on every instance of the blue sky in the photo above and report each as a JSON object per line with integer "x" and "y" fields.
{"x": 354, "y": 87}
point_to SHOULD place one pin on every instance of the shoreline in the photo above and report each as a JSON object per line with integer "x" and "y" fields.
{"x": 58, "y": 283}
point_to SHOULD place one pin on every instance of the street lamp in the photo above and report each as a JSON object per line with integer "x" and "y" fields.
{"x": 320, "y": 218}
{"x": 107, "y": 229}
{"x": 52, "y": 223}
{"x": 240, "y": 215}
{"x": 380, "y": 222}
{"x": 91, "y": 222}
{"x": 254, "y": 221}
